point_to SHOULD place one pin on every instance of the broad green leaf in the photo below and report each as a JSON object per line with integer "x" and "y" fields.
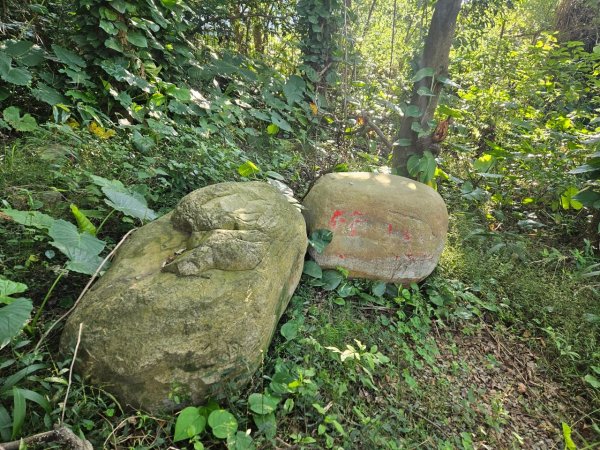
{"x": 181, "y": 94}
{"x": 130, "y": 203}
{"x": 484, "y": 163}
{"x": 67, "y": 57}
{"x": 312, "y": 269}
{"x": 14, "y": 119}
{"x": 189, "y": 423}
{"x": 294, "y": 89}
{"x": 289, "y": 330}
{"x": 222, "y": 423}
{"x": 266, "y": 424}
{"x": 263, "y": 404}
{"x": 332, "y": 279}
{"x": 272, "y": 129}
{"x": 378, "y": 288}
{"x": 422, "y": 73}
{"x": 280, "y": 122}
{"x": 568, "y": 200}
{"x": 46, "y": 94}
{"x": 18, "y": 48}
{"x": 248, "y": 169}
{"x": 138, "y": 39}
{"x": 104, "y": 182}
{"x": 15, "y": 75}
{"x": 8, "y": 287}
{"x": 319, "y": 239}
{"x": 240, "y": 441}
{"x": 141, "y": 142}
{"x": 424, "y": 90}
{"x": 413, "y": 111}
{"x": 34, "y": 219}
{"x": 13, "y": 318}
{"x": 83, "y": 223}
{"x": 82, "y": 249}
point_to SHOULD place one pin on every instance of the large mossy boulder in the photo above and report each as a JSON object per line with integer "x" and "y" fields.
{"x": 192, "y": 299}
{"x": 385, "y": 227}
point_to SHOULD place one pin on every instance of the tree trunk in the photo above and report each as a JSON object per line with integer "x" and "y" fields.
{"x": 436, "y": 57}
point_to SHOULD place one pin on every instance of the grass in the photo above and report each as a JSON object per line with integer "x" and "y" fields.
{"x": 491, "y": 350}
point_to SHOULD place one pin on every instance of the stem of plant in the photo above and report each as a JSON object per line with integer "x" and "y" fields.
{"x": 48, "y": 294}
{"x": 104, "y": 221}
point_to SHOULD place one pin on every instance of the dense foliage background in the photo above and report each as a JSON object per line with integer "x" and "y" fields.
{"x": 112, "y": 110}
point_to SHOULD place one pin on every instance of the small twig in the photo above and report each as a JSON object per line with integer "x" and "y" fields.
{"x": 64, "y": 407}
{"x": 85, "y": 289}
{"x": 377, "y": 130}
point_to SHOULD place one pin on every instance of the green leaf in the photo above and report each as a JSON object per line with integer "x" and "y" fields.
{"x": 222, "y": 423}
{"x": 5, "y": 424}
{"x": 18, "y": 76}
{"x": 141, "y": 142}
{"x": 403, "y": 142}
{"x": 280, "y": 122}
{"x": 378, "y": 288}
{"x": 113, "y": 44}
{"x": 82, "y": 249}
{"x": 592, "y": 380}
{"x": 8, "y": 287}
{"x": 18, "y": 48}
{"x": 46, "y": 94}
{"x": 424, "y": 90}
{"x": 294, "y": 89}
{"x": 266, "y": 424}
{"x": 169, "y": 3}
{"x": 240, "y": 441}
{"x": 332, "y": 279}
{"x": 67, "y": 57}
{"x": 272, "y": 129}
{"x": 130, "y": 203}
{"x": 189, "y": 423}
{"x": 18, "y": 412}
{"x": 181, "y": 94}
{"x": 30, "y": 218}
{"x": 14, "y": 119}
{"x": 13, "y": 318}
{"x": 312, "y": 269}
{"x": 248, "y": 169}
{"x": 422, "y": 73}
{"x": 138, "y": 39}
{"x": 83, "y": 223}
{"x": 484, "y": 163}
{"x": 569, "y": 444}
{"x": 263, "y": 404}
{"x": 413, "y": 111}
{"x": 289, "y": 330}
{"x": 568, "y": 200}
{"x": 319, "y": 239}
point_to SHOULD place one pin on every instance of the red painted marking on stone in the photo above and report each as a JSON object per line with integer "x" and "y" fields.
{"x": 353, "y": 224}
{"x": 357, "y": 213}
{"x": 406, "y": 235}
{"x": 334, "y": 218}
{"x": 390, "y": 228}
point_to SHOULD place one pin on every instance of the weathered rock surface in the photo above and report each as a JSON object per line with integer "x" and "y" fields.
{"x": 192, "y": 299}
{"x": 385, "y": 227}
